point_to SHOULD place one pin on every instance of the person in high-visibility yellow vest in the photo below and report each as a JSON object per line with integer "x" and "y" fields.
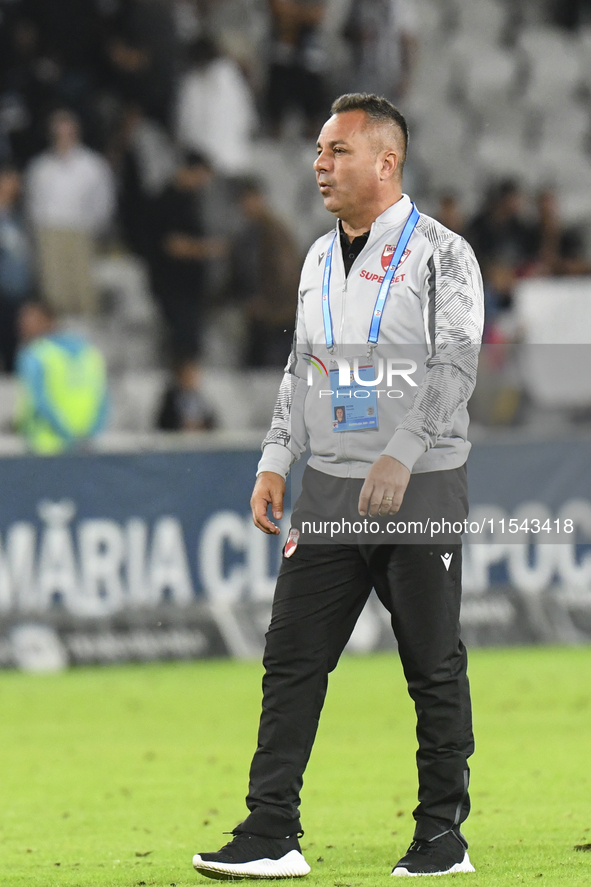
{"x": 63, "y": 398}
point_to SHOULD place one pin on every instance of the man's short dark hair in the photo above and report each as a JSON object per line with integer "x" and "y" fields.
{"x": 377, "y": 108}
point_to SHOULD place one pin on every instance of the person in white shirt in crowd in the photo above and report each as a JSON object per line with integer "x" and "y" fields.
{"x": 70, "y": 196}
{"x": 215, "y": 110}
{"x": 242, "y": 29}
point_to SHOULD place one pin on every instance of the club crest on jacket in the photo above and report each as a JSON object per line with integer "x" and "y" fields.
{"x": 387, "y": 256}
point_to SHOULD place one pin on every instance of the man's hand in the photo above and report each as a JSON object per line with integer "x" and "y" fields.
{"x": 269, "y": 489}
{"x": 384, "y": 487}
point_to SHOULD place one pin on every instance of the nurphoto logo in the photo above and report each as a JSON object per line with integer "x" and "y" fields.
{"x": 386, "y": 370}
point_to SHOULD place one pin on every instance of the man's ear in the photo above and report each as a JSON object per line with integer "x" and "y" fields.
{"x": 389, "y": 164}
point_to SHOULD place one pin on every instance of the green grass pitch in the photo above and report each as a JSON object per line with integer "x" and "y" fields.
{"x": 116, "y": 776}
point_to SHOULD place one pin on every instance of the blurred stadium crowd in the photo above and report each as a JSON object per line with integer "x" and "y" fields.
{"x": 156, "y": 188}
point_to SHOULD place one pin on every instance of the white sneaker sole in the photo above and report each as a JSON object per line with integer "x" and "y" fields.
{"x": 464, "y": 866}
{"x": 292, "y": 865}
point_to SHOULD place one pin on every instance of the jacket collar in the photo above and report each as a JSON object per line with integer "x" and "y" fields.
{"x": 395, "y": 215}
{"x": 392, "y": 217}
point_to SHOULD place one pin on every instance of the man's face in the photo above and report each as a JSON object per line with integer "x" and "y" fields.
{"x": 252, "y": 204}
{"x": 347, "y": 166}
{"x": 10, "y": 186}
{"x": 64, "y": 129}
{"x": 33, "y": 322}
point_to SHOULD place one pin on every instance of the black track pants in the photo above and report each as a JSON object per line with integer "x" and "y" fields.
{"x": 320, "y": 593}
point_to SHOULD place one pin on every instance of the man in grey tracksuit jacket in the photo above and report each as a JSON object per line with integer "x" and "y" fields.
{"x": 434, "y": 311}
{"x": 401, "y": 455}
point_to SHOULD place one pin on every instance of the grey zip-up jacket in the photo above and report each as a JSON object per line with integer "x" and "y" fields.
{"x": 433, "y": 315}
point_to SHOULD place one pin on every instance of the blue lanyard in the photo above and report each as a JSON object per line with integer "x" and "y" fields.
{"x": 328, "y": 335}
{"x": 376, "y": 320}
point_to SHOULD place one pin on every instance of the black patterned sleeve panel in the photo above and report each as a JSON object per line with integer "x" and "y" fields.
{"x": 282, "y": 431}
{"x": 454, "y": 316}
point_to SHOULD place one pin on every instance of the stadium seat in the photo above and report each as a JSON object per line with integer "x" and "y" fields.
{"x": 124, "y": 346}
{"x": 125, "y": 278}
{"x": 572, "y": 170}
{"x": 506, "y": 118}
{"x": 8, "y": 397}
{"x": 430, "y": 15}
{"x": 556, "y": 355}
{"x": 484, "y": 72}
{"x": 564, "y": 127}
{"x": 431, "y": 82}
{"x": 136, "y": 397}
{"x": 242, "y": 399}
{"x": 500, "y": 155}
{"x": 442, "y": 135}
{"x": 574, "y": 205}
{"x": 481, "y": 17}
{"x": 554, "y": 67}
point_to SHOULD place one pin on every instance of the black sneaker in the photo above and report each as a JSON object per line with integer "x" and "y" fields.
{"x": 251, "y": 856}
{"x": 443, "y": 855}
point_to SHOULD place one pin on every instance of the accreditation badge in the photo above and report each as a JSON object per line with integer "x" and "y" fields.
{"x": 355, "y": 405}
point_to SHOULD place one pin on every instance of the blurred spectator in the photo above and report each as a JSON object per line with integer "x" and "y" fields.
{"x": 548, "y": 234}
{"x": 570, "y": 13}
{"x": 296, "y": 72}
{"x": 183, "y": 407}
{"x": 188, "y": 19}
{"x": 504, "y": 242}
{"x": 69, "y": 31}
{"x": 265, "y": 266}
{"x": 70, "y": 200}
{"x": 16, "y": 264}
{"x": 180, "y": 255}
{"x": 560, "y": 251}
{"x": 241, "y": 28}
{"x": 383, "y": 36}
{"x": 499, "y": 232}
{"x": 215, "y": 112}
{"x": 69, "y": 40}
{"x": 28, "y": 87}
{"x": 573, "y": 256}
{"x": 499, "y": 283}
{"x": 450, "y": 212}
{"x": 63, "y": 398}
{"x": 144, "y": 158}
{"x": 142, "y": 54}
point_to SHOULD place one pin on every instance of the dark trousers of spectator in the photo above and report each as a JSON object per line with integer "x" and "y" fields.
{"x": 183, "y": 312}
{"x": 9, "y": 309}
{"x": 321, "y": 591}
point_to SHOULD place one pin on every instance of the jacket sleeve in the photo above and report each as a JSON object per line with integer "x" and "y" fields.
{"x": 454, "y": 315}
{"x": 35, "y": 403}
{"x": 287, "y": 437}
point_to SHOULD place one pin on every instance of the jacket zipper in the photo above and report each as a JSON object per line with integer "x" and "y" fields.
{"x": 341, "y": 340}
{"x": 342, "y": 330}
